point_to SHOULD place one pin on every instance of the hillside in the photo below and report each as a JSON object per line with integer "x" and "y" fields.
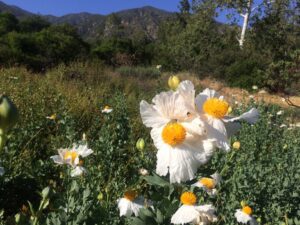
{"x": 91, "y": 26}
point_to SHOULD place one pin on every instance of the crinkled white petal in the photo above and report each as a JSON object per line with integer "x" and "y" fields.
{"x": 185, "y": 214}
{"x": 242, "y": 217}
{"x": 180, "y": 161}
{"x": 2, "y": 171}
{"x": 216, "y": 130}
{"x": 209, "y": 146}
{"x": 217, "y": 178}
{"x": 57, "y": 159}
{"x": 195, "y": 126}
{"x": 78, "y": 171}
{"x": 171, "y": 105}
{"x": 83, "y": 150}
{"x": 251, "y": 116}
{"x": 150, "y": 116}
{"x": 107, "y": 110}
{"x": 207, "y": 214}
{"x": 203, "y": 96}
{"x": 232, "y": 128}
{"x": 127, "y": 208}
{"x": 187, "y": 91}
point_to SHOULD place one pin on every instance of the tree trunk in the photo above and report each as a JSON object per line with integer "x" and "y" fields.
{"x": 246, "y": 17}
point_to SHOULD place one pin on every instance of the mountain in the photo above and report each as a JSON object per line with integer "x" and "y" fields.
{"x": 131, "y": 22}
{"x": 18, "y": 12}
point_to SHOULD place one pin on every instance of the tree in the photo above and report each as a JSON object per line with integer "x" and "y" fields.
{"x": 184, "y": 6}
{"x": 8, "y": 23}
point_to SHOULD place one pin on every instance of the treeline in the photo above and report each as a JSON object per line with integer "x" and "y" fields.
{"x": 269, "y": 55}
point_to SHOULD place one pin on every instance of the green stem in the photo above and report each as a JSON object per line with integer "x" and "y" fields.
{"x": 225, "y": 168}
{"x": 2, "y": 139}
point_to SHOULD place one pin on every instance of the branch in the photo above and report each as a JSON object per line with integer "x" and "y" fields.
{"x": 289, "y": 102}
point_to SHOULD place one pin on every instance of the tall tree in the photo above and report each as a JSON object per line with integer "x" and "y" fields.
{"x": 184, "y": 6}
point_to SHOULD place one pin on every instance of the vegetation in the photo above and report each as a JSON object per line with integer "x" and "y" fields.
{"x": 71, "y": 89}
{"x": 76, "y": 102}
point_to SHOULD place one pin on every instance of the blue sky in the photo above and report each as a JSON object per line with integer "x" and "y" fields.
{"x": 62, "y": 7}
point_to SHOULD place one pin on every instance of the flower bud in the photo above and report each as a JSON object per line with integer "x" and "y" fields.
{"x": 45, "y": 192}
{"x": 100, "y": 196}
{"x": 236, "y": 145}
{"x": 140, "y": 144}
{"x": 173, "y": 82}
{"x": 243, "y": 203}
{"x": 8, "y": 113}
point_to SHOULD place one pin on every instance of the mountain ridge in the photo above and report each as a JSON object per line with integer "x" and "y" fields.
{"x": 92, "y": 26}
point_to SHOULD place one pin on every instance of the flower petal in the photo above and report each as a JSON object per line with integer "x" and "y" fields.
{"x": 124, "y": 206}
{"x": 83, "y": 150}
{"x": 77, "y": 171}
{"x": 216, "y": 130}
{"x": 57, "y": 159}
{"x": 251, "y": 116}
{"x": 150, "y": 116}
{"x": 185, "y": 214}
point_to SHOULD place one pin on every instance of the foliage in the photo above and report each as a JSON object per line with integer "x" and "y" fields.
{"x": 264, "y": 171}
{"x": 139, "y": 72}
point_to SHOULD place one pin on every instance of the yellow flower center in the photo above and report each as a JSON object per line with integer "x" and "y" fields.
{"x": 246, "y": 209}
{"x": 173, "y": 134}
{"x": 71, "y": 155}
{"x": 215, "y": 107}
{"x": 130, "y": 195}
{"x": 107, "y": 107}
{"x": 207, "y": 182}
{"x": 188, "y": 198}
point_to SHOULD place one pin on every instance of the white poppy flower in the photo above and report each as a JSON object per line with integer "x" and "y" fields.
{"x": 280, "y": 112}
{"x": 2, "y": 171}
{"x": 107, "y": 109}
{"x": 130, "y": 204}
{"x": 72, "y": 157}
{"x": 209, "y": 184}
{"x": 244, "y": 215}
{"x": 191, "y": 213}
{"x": 214, "y": 108}
{"x": 177, "y": 135}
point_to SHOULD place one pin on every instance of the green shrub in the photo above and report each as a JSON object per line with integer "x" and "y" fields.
{"x": 139, "y": 72}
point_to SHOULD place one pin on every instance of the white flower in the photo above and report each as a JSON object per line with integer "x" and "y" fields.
{"x": 2, "y": 171}
{"x": 254, "y": 87}
{"x": 143, "y": 172}
{"x": 280, "y": 112}
{"x": 283, "y": 125}
{"x": 130, "y": 204}
{"x": 219, "y": 126}
{"x": 72, "y": 157}
{"x": 177, "y": 134}
{"x": 244, "y": 215}
{"x": 158, "y": 67}
{"x": 251, "y": 96}
{"x": 209, "y": 184}
{"x": 191, "y": 213}
{"x": 107, "y": 109}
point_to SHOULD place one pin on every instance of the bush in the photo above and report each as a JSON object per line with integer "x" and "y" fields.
{"x": 139, "y": 72}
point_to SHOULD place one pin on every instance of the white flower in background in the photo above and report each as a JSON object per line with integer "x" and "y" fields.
{"x": 177, "y": 135}
{"x": 2, "y": 171}
{"x": 158, "y": 67}
{"x": 52, "y": 117}
{"x": 189, "y": 212}
{"x": 209, "y": 184}
{"x": 220, "y": 126}
{"x": 130, "y": 204}
{"x": 283, "y": 125}
{"x": 244, "y": 215}
{"x": 280, "y": 112}
{"x": 254, "y": 87}
{"x": 73, "y": 157}
{"x": 251, "y": 96}
{"x": 107, "y": 109}
{"x": 143, "y": 172}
